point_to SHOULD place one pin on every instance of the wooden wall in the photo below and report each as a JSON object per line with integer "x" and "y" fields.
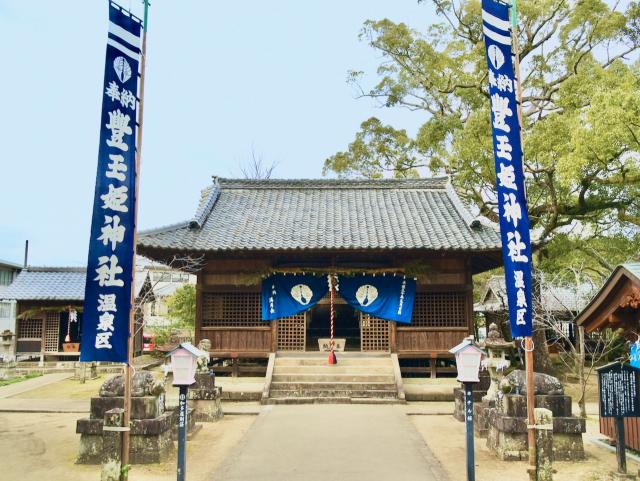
{"x": 631, "y": 431}
{"x": 444, "y": 275}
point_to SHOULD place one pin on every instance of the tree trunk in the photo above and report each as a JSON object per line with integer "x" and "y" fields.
{"x": 541, "y": 358}
{"x": 581, "y": 379}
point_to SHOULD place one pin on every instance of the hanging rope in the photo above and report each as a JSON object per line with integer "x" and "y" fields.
{"x": 332, "y": 356}
{"x": 68, "y": 336}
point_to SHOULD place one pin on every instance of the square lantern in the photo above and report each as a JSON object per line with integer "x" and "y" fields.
{"x": 468, "y": 357}
{"x": 184, "y": 362}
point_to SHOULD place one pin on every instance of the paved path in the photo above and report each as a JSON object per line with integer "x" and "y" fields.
{"x": 30, "y": 384}
{"x": 19, "y": 405}
{"x": 331, "y": 443}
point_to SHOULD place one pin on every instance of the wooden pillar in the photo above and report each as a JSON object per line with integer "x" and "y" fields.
{"x": 432, "y": 366}
{"x": 469, "y": 297}
{"x": 44, "y": 331}
{"x": 198, "y": 320}
{"x": 393, "y": 336}
{"x": 274, "y": 335}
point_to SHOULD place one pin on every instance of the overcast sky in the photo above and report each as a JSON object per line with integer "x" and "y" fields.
{"x": 221, "y": 77}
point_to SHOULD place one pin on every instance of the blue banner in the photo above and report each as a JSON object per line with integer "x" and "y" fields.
{"x": 389, "y": 297}
{"x": 511, "y": 196}
{"x": 107, "y": 299}
{"x": 285, "y": 295}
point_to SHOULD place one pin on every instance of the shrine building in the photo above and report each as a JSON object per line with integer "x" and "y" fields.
{"x": 246, "y": 230}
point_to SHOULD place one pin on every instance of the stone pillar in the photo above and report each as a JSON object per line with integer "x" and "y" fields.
{"x": 544, "y": 444}
{"x": 112, "y": 445}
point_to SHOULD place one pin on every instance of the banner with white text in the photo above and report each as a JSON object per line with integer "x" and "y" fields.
{"x": 514, "y": 219}
{"x": 107, "y": 300}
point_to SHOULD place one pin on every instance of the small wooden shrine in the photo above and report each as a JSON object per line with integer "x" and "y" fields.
{"x": 617, "y": 306}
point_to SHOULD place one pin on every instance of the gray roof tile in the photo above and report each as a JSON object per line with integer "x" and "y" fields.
{"x": 53, "y": 284}
{"x": 327, "y": 214}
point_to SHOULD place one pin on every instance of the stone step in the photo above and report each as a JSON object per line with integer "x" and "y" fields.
{"x": 332, "y": 377}
{"x": 331, "y": 400}
{"x": 332, "y": 393}
{"x": 305, "y": 361}
{"x": 333, "y": 369}
{"x": 333, "y": 385}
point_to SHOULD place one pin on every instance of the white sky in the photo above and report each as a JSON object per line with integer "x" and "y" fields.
{"x": 221, "y": 77}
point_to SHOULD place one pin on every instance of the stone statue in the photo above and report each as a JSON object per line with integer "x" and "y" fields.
{"x": 515, "y": 383}
{"x": 143, "y": 384}
{"x": 203, "y": 361}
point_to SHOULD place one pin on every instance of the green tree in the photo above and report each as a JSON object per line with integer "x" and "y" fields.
{"x": 182, "y": 305}
{"x": 581, "y": 104}
{"x": 581, "y": 111}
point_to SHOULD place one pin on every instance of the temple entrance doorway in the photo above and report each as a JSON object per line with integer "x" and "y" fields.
{"x": 346, "y": 324}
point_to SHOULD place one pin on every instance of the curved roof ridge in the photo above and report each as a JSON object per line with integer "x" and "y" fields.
{"x": 164, "y": 228}
{"x": 426, "y": 183}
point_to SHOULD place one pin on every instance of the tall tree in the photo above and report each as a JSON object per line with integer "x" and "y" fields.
{"x": 182, "y": 305}
{"x": 581, "y": 111}
{"x": 581, "y": 106}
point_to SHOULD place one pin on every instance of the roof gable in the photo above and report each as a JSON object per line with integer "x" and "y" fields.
{"x": 327, "y": 214}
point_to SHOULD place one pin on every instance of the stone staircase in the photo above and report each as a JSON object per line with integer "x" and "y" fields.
{"x": 357, "y": 378}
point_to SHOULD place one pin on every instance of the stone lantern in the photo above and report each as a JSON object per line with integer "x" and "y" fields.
{"x": 496, "y": 361}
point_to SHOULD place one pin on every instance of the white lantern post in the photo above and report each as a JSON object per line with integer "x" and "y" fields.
{"x": 184, "y": 361}
{"x": 468, "y": 357}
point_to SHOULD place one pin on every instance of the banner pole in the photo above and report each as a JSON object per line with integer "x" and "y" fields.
{"x": 528, "y": 340}
{"x": 126, "y": 438}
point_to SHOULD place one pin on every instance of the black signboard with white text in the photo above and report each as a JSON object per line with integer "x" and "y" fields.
{"x": 619, "y": 391}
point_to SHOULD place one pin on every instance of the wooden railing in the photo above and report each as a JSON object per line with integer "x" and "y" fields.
{"x": 427, "y": 341}
{"x": 239, "y": 341}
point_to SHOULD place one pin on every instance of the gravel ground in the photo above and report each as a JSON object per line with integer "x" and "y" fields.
{"x": 446, "y": 438}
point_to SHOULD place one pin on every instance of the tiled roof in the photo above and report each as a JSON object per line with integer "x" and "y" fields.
{"x": 235, "y": 215}
{"x": 554, "y": 298}
{"x": 48, "y": 284}
{"x": 53, "y": 284}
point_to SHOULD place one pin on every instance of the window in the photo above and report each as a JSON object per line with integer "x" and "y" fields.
{"x": 6, "y": 277}
{"x": 180, "y": 278}
{"x": 232, "y": 309}
{"x": 439, "y": 309}
{"x": 161, "y": 276}
{"x": 5, "y": 309}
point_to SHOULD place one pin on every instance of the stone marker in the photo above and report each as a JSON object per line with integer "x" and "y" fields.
{"x": 544, "y": 443}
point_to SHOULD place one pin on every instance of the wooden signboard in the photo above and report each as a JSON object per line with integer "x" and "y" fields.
{"x": 619, "y": 391}
{"x": 618, "y": 388}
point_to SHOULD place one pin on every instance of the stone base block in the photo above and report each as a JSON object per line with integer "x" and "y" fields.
{"x": 207, "y": 410}
{"x": 515, "y": 405}
{"x": 507, "y": 446}
{"x": 481, "y": 419}
{"x": 458, "y": 398}
{"x": 144, "y": 449}
{"x": 507, "y": 437}
{"x": 616, "y": 476}
{"x": 144, "y": 407}
{"x": 151, "y": 439}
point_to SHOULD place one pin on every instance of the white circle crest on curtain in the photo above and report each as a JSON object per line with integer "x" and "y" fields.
{"x": 366, "y": 294}
{"x": 122, "y": 68}
{"x": 302, "y": 293}
{"x": 496, "y": 56}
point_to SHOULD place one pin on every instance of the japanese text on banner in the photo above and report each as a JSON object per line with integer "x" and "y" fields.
{"x": 110, "y": 264}
{"x": 514, "y": 220}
